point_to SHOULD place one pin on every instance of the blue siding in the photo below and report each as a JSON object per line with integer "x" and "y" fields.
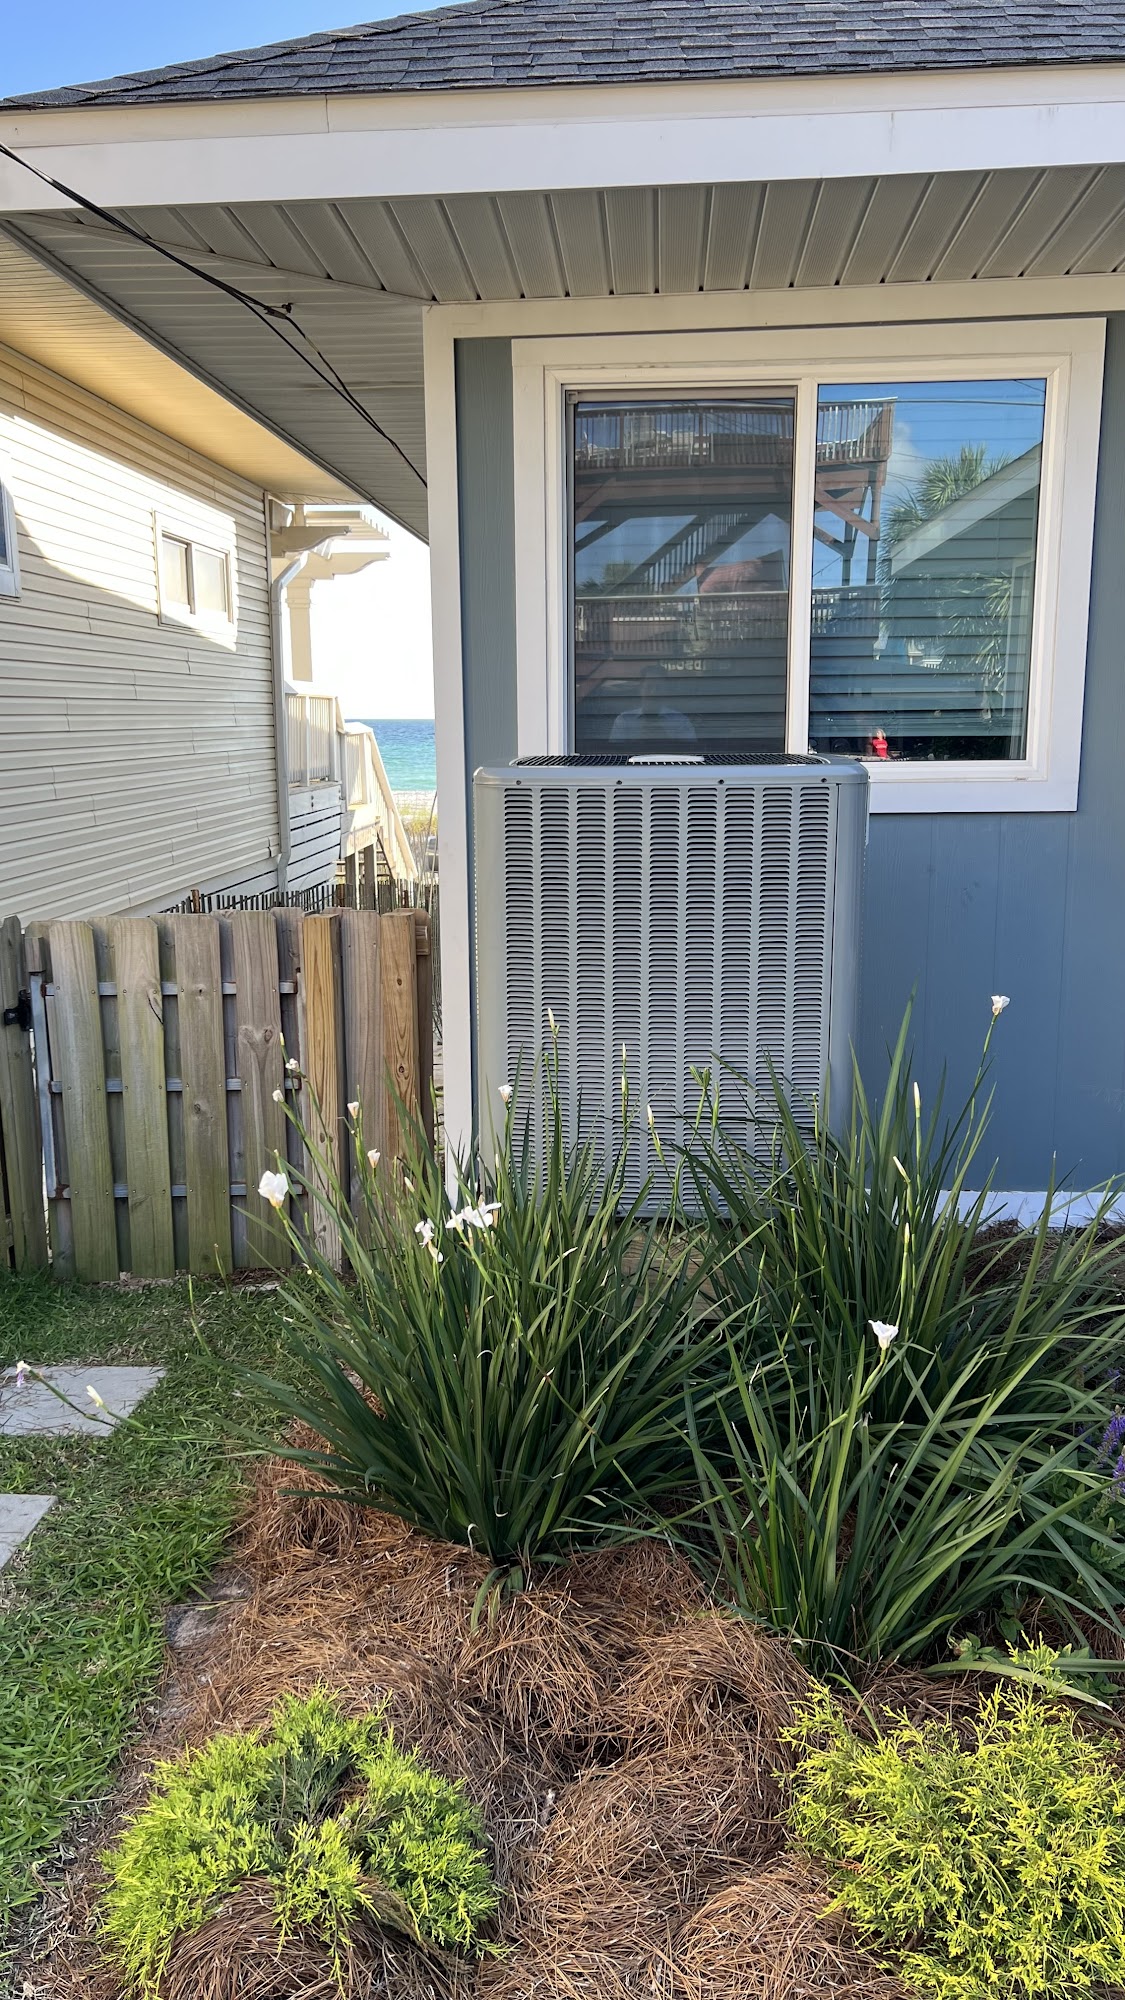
{"x": 958, "y": 906}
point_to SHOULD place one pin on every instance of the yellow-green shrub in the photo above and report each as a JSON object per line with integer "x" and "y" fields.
{"x": 994, "y": 1871}
{"x": 324, "y": 1807}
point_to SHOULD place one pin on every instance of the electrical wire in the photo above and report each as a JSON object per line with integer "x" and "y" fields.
{"x": 268, "y": 315}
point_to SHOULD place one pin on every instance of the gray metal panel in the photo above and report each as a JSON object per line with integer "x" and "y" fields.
{"x": 671, "y": 922}
{"x": 487, "y": 510}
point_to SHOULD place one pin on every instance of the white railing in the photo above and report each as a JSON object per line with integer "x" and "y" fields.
{"x": 313, "y": 726}
{"x": 370, "y": 801}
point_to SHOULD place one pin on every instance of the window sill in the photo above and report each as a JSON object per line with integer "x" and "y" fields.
{"x": 967, "y": 789}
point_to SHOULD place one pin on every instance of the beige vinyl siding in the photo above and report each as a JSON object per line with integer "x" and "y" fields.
{"x": 137, "y": 756}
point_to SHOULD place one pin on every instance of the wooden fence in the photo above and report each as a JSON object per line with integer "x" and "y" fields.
{"x": 140, "y": 1111}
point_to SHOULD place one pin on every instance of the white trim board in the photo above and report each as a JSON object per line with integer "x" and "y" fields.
{"x": 589, "y": 135}
{"x": 1069, "y": 354}
{"x": 449, "y": 734}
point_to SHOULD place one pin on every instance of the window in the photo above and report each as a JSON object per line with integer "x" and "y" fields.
{"x": 195, "y": 581}
{"x": 682, "y": 514}
{"x": 9, "y": 550}
{"x": 924, "y": 539}
{"x": 873, "y": 542}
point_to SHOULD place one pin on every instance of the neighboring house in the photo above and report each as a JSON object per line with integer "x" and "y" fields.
{"x": 139, "y": 683}
{"x": 758, "y": 374}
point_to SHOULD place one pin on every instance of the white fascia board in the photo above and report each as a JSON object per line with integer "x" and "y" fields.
{"x": 637, "y": 135}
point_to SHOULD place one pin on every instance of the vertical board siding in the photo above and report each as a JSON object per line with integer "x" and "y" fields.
{"x": 156, "y": 1097}
{"x": 956, "y": 906}
{"x": 137, "y": 758}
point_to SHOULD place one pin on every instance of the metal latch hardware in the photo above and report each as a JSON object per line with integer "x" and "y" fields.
{"x": 19, "y": 1016}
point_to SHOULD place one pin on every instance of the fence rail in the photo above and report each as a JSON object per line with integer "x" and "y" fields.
{"x": 144, "y": 1079}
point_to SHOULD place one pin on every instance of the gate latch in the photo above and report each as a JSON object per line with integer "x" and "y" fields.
{"x": 19, "y": 1016}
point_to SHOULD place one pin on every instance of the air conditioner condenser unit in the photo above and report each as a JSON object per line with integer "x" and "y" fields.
{"x": 702, "y": 916}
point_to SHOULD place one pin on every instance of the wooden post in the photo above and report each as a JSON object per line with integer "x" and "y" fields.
{"x": 351, "y": 881}
{"x": 194, "y": 943}
{"x": 399, "y": 982}
{"x": 363, "y": 1029}
{"x": 80, "y": 1061}
{"x": 20, "y": 1143}
{"x": 324, "y": 1111}
{"x": 261, "y": 1072}
{"x": 370, "y": 877}
{"x": 424, "y": 974}
{"x": 140, "y": 1020}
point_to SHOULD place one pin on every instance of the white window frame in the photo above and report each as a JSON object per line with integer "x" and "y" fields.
{"x": 216, "y": 624}
{"x": 1067, "y": 353}
{"x": 10, "y": 563}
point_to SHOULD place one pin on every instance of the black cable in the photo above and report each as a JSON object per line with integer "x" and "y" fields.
{"x": 267, "y": 314}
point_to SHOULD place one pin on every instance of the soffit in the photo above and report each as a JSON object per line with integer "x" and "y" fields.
{"x": 45, "y": 319}
{"x": 358, "y": 275}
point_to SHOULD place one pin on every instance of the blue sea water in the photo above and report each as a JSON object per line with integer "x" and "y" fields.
{"x": 407, "y": 750}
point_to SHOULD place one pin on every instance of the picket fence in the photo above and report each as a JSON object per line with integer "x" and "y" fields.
{"x": 140, "y": 1064}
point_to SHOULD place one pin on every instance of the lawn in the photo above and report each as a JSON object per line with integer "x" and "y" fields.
{"x": 140, "y": 1520}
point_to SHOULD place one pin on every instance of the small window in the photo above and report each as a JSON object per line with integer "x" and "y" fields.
{"x": 195, "y": 581}
{"x": 9, "y": 551}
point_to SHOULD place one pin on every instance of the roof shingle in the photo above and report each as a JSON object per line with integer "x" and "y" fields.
{"x": 487, "y": 43}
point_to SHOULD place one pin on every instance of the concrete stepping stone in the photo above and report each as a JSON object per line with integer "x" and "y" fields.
{"x": 19, "y": 1514}
{"x": 30, "y": 1409}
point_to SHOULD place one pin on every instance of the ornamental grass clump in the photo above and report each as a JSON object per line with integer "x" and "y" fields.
{"x": 341, "y": 1826}
{"x": 913, "y": 1438}
{"x": 505, "y": 1369}
{"x": 988, "y": 1870}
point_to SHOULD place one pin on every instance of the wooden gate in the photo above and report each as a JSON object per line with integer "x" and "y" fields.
{"x": 161, "y": 1075}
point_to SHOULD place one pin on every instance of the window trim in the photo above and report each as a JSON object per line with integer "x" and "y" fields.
{"x": 211, "y": 623}
{"x": 1068, "y": 354}
{"x": 9, "y": 568}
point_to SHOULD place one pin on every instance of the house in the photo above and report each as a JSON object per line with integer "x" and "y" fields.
{"x": 153, "y": 541}
{"x": 783, "y": 341}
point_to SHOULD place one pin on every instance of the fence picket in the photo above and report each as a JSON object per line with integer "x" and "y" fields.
{"x": 20, "y": 1149}
{"x": 399, "y": 980}
{"x": 194, "y": 943}
{"x": 79, "y": 1060}
{"x": 363, "y": 1026}
{"x": 323, "y": 1051}
{"x": 140, "y": 1023}
{"x": 424, "y": 1010}
{"x": 261, "y": 1071}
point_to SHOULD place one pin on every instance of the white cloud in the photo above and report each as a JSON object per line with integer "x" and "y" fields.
{"x": 371, "y": 634}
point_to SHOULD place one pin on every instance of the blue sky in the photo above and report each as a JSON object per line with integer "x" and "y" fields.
{"x": 72, "y": 41}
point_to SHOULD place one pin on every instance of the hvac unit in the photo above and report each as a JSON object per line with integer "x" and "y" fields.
{"x": 703, "y": 915}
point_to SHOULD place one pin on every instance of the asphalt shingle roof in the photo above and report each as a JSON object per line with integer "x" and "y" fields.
{"x": 527, "y": 42}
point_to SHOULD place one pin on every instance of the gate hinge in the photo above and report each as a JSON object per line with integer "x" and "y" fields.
{"x": 19, "y": 1016}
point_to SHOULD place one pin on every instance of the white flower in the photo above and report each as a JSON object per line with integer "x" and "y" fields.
{"x": 553, "y": 1024}
{"x": 506, "y": 1092}
{"x": 373, "y": 1156}
{"x": 97, "y": 1401}
{"x": 408, "y": 1184}
{"x": 999, "y": 1002}
{"x": 488, "y": 1212}
{"x": 917, "y": 1102}
{"x": 293, "y": 1066}
{"x": 22, "y": 1373}
{"x": 425, "y": 1230}
{"x": 273, "y": 1188}
{"x": 651, "y": 1118}
{"x": 437, "y": 1255}
{"x": 279, "y": 1097}
{"x": 884, "y": 1332}
{"x": 353, "y": 1109}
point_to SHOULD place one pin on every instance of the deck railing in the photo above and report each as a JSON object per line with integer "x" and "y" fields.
{"x": 312, "y": 725}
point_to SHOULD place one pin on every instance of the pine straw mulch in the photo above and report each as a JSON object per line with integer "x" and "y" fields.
{"x": 622, "y": 1740}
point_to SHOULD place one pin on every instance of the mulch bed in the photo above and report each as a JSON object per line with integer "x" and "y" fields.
{"x": 622, "y": 1739}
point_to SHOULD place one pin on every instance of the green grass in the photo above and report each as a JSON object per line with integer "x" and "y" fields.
{"x": 140, "y": 1521}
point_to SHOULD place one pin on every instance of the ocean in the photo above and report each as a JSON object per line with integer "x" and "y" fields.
{"x": 407, "y": 750}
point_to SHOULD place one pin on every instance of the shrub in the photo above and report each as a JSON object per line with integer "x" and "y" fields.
{"x": 994, "y": 1871}
{"x": 869, "y": 1497}
{"x": 507, "y": 1370}
{"x": 341, "y": 1823}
